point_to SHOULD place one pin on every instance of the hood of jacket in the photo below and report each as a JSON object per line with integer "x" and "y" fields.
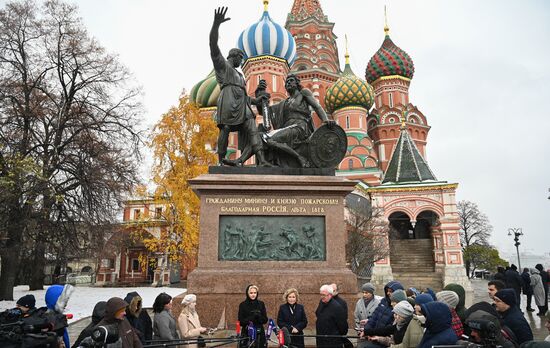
{"x": 99, "y": 311}
{"x": 135, "y": 304}
{"x": 438, "y": 316}
{"x": 113, "y": 305}
{"x": 394, "y": 285}
{"x": 459, "y": 289}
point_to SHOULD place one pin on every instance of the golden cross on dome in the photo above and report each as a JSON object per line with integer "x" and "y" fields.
{"x": 266, "y": 4}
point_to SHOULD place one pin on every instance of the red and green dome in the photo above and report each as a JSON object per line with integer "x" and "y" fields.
{"x": 389, "y": 60}
{"x": 205, "y": 93}
{"x": 349, "y": 90}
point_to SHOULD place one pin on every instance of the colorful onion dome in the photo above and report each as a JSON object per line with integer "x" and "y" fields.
{"x": 205, "y": 93}
{"x": 389, "y": 60}
{"x": 267, "y": 38}
{"x": 349, "y": 90}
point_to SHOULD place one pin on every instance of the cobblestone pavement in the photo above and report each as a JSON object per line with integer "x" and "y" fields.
{"x": 480, "y": 294}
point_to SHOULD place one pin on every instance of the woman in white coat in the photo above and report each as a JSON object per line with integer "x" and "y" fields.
{"x": 538, "y": 290}
{"x": 188, "y": 321}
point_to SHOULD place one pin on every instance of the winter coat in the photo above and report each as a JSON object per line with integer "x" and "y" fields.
{"x": 341, "y": 302}
{"x": 460, "y": 307}
{"x": 293, "y": 317}
{"x": 391, "y": 330}
{"x": 513, "y": 280}
{"x": 362, "y": 312}
{"x": 331, "y": 320}
{"x": 438, "y": 325}
{"x": 383, "y": 315}
{"x": 515, "y": 321}
{"x": 500, "y": 275}
{"x": 253, "y": 311}
{"x": 127, "y": 335}
{"x": 544, "y": 276}
{"x": 164, "y": 326}
{"x": 139, "y": 318}
{"x": 97, "y": 315}
{"x": 413, "y": 334}
{"x": 54, "y": 294}
{"x": 189, "y": 326}
{"x": 527, "y": 289}
{"x": 538, "y": 287}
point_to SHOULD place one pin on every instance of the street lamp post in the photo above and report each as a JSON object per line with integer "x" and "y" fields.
{"x": 516, "y": 232}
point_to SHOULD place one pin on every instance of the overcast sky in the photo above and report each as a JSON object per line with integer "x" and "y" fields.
{"x": 482, "y": 77}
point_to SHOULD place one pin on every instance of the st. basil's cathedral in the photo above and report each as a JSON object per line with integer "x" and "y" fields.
{"x": 386, "y": 134}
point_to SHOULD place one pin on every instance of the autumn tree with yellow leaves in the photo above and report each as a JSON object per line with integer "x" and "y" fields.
{"x": 181, "y": 144}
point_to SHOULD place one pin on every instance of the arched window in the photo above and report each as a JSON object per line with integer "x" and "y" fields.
{"x": 391, "y": 99}
{"x": 350, "y": 163}
{"x": 347, "y": 122}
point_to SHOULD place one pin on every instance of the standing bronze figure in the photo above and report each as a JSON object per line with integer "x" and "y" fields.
{"x": 234, "y": 112}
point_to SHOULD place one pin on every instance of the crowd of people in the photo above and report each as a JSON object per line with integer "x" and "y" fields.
{"x": 399, "y": 318}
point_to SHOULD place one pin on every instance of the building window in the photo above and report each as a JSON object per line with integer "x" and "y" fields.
{"x": 137, "y": 214}
{"x": 403, "y": 98}
{"x": 158, "y": 212}
{"x": 135, "y": 265}
{"x": 350, "y": 163}
{"x": 107, "y": 263}
{"x": 391, "y": 99}
{"x": 274, "y": 83}
{"x": 347, "y": 122}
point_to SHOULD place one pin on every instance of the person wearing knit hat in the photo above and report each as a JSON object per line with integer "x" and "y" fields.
{"x": 391, "y": 334}
{"x": 365, "y": 306}
{"x": 450, "y": 298}
{"x": 505, "y": 304}
{"x": 420, "y": 300}
{"x": 403, "y": 309}
{"x": 460, "y": 308}
{"x": 26, "y": 303}
{"x": 398, "y": 296}
{"x": 188, "y": 321}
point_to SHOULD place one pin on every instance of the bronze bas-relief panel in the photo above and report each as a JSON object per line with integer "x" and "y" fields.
{"x": 271, "y": 238}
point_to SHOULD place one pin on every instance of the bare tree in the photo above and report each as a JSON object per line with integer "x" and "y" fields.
{"x": 367, "y": 236}
{"x": 68, "y": 134}
{"x": 475, "y": 228}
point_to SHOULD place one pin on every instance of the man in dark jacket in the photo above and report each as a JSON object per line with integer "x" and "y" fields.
{"x": 544, "y": 277}
{"x": 505, "y": 304}
{"x": 514, "y": 281}
{"x": 347, "y": 343}
{"x": 500, "y": 274}
{"x": 97, "y": 315}
{"x": 115, "y": 314}
{"x": 527, "y": 289}
{"x": 438, "y": 325}
{"x": 383, "y": 315}
{"x": 331, "y": 320}
{"x": 138, "y": 317}
{"x": 478, "y": 336}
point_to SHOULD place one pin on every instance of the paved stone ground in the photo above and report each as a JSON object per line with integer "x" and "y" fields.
{"x": 480, "y": 294}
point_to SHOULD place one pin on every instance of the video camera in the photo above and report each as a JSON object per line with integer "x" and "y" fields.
{"x": 101, "y": 336}
{"x": 38, "y": 329}
{"x": 488, "y": 332}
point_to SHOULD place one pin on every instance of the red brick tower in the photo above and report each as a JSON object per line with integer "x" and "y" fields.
{"x": 390, "y": 71}
{"x": 317, "y": 64}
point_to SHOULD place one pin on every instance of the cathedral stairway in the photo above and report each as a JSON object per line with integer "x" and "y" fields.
{"x": 412, "y": 264}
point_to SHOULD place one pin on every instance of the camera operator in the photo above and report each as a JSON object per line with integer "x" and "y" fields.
{"x": 115, "y": 315}
{"x": 485, "y": 331}
{"x": 26, "y": 304}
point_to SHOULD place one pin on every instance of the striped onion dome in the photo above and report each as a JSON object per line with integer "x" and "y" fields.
{"x": 389, "y": 60}
{"x": 349, "y": 90}
{"x": 205, "y": 93}
{"x": 267, "y": 38}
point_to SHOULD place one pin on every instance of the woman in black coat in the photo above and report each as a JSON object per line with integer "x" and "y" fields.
{"x": 253, "y": 310}
{"x": 293, "y": 316}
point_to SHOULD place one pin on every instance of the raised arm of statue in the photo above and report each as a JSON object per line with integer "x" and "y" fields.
{"x": 215, "y": 53}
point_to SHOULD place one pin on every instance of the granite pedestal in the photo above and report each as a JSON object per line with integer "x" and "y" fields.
{"x": 220, "y": 279}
